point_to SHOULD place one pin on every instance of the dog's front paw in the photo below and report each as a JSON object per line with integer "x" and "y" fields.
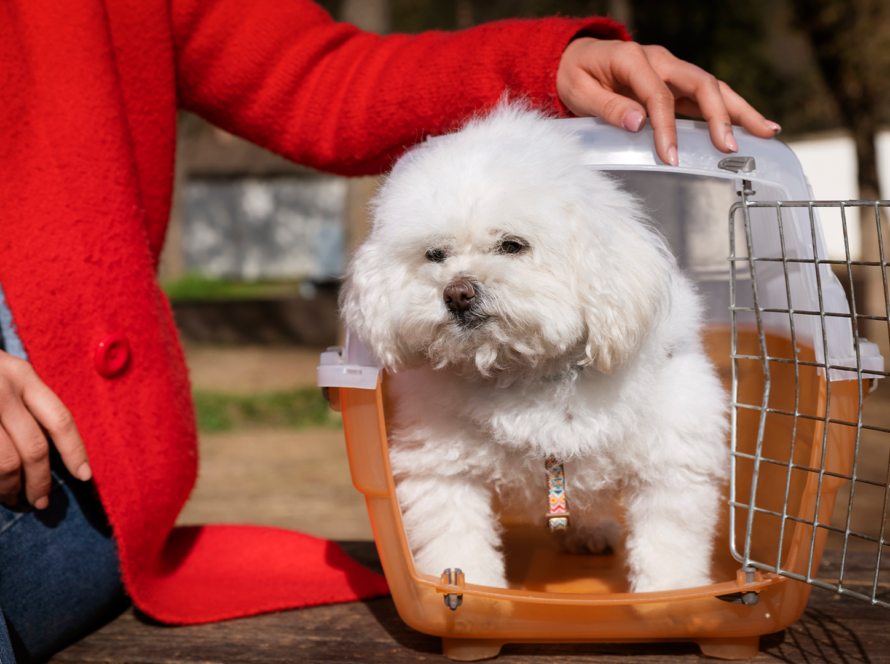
{"x": 669, "y": 580}
{"x": 482, "y": 566}
{"x": 601, "y": 537}
{"x": 480, "y": 578}
{"x": 493, "y": 578}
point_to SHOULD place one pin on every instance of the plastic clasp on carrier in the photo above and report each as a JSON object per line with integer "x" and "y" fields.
{"x": 335, "y": 371}
{"x": 451, "y": 583}
{"x": 351, "y": 365}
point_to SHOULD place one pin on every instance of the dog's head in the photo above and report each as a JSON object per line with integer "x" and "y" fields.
{"x": 498, "y": 246}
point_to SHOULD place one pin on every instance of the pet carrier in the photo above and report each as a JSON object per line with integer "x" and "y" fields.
{"x": 787, "y": 345}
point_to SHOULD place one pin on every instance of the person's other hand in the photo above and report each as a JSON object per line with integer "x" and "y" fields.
{"x": 623, "y": 82}
{"x": 27, "y": 409}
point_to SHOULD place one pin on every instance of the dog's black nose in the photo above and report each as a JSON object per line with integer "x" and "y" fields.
{"x": 459, "y": 296}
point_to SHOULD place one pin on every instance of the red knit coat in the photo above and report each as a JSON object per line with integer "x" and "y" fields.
{"x": 88, "y": 97}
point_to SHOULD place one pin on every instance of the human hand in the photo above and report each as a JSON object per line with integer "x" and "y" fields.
{"x": 27, "y": 408}
{"x": 621, "y": 82}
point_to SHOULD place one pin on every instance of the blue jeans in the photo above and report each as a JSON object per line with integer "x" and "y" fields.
{"x": 59, "y": 570}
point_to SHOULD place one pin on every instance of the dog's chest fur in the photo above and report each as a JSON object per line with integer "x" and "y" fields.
{"x": 445, "y": 423}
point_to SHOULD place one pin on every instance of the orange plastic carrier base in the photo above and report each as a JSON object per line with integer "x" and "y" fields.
{"x": 557, "y": 597}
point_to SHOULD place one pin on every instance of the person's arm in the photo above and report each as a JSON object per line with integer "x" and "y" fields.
{"x": 283, "y": 74}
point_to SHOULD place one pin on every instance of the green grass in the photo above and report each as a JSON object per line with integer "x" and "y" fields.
{"x": 198, "y": 287}
{"x": 295, "y": 409}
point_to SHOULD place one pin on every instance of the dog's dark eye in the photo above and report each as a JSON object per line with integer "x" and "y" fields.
{"x": 435, "y": 255}
{"x": 510, "y": 246}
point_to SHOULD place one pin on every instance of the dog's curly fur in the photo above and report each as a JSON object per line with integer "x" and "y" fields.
{"x": 582, "y": 341}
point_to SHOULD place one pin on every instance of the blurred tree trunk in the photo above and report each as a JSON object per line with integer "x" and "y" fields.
{"x": 463, "y": 14}
{"x": 851, "y": 40}
{"x": 172, "y": 265}
{"x": 622, "y": 11}
{"x": 373, "y": 16}
{"x": 370, "y": 15}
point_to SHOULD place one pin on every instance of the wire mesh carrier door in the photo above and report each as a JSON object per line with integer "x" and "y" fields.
{"x": 810, "y": 415}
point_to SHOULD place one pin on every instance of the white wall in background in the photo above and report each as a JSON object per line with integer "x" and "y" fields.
{"x": 272, "y": 228}
{"x": 829, "y": 162}
{"x": 883, "y": 144}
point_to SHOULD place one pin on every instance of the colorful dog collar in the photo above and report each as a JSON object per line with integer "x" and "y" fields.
{"x": 558, "y": 516}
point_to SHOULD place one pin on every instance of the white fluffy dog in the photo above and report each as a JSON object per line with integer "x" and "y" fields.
{"x": 526, "y": 308}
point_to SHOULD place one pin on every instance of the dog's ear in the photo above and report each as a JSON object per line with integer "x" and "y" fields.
{"x": 625, "y": 282}
{"x": 369, "y": 306}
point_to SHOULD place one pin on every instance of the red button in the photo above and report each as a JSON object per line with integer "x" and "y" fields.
{"x": 112, "y": 355}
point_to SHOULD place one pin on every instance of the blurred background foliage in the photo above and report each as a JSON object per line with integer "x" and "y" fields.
{"x": 193, "y": 286}
{"x": 299, "y": 408}
{"x": 762, "y": 48}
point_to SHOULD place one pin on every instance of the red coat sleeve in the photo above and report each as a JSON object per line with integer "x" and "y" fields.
{"x": 283, "y": 74}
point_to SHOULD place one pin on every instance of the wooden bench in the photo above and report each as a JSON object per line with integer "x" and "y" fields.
{"x": 833, "y": 630}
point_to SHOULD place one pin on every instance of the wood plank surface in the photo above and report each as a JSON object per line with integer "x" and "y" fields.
{"x": 832, "y": 630}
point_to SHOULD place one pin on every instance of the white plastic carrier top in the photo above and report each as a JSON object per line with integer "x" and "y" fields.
{"x": 690, "y": 204}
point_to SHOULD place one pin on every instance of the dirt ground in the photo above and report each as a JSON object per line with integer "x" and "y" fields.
{"x": 300, "y": 478}
{"x": 286, "y": 478}
{"x": 251, "y": 369}
{"x": 289, "y": 478}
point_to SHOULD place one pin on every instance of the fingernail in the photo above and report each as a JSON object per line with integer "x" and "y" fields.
{"x": 729, "y": 139}
{"x": 673, "y": 159}
{"x": 633, "y": 120}
{"x": 41, "y": 503}
{"x": 777, "y": 128}
{"x": 84, "y": 473}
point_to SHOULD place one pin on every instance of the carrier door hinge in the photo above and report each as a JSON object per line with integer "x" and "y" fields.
{"x": 744, "y": 576}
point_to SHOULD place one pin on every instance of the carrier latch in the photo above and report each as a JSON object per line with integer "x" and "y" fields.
{"x": 744, "y": 576}
{"x": 737, "y": 164}
{"x": 452, "y": 579}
